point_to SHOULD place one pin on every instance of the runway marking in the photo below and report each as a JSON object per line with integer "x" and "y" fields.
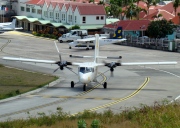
{"x": 121, "y": 99}
{"x": 1, "y": 49}
{"x": 170, "y": 74}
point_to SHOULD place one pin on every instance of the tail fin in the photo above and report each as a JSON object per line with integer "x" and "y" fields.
{"x": 13, "y": 24}
{"x": 96, "y": 51}
{"x": 118, "y": 33}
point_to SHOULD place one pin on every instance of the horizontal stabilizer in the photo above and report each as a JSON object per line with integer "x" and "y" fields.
{"x": 75, "y": 56}
{"x": 110, "y": 57}
{"x": 101, "y": 57}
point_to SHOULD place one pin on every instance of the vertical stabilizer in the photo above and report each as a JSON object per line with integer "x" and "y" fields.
{"x": 13, "y": 24}
{"x": 117, "y": 33}
{"x": 96, "y": 54}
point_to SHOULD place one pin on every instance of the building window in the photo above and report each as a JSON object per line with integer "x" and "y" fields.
{"x": 97, "y": 17}
{"x": 75, "y": 19}
{"x": 27, "y": 9}
{"x": 45, "y": 14}
{"x": 22, "y": 8}
{"x": 33, "y": 10}
{"x": 63, "y": 17}
{"x": 102, "y": 17}
{"x": 51, "y": 14}
{"x": 39, "y": 11}
{"x": 57, "y": 15}
{"x": 84, "y": 19}
{"x": 71, "y": 18}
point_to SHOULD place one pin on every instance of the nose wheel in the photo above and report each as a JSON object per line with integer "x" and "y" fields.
{"x": 72, "y": 84}
{"x": 84, "y": 87}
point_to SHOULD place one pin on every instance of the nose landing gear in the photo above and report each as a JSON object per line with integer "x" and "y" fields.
{"x": 84, "y": 87}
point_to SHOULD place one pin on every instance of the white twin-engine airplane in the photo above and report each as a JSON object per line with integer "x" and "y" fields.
{"x": 90, "y": 42}
{"x": 9, "y": 26}
{"x": 87, "y": 71}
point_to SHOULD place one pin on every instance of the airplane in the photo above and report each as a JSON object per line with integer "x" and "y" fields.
{"x": 87, "y": 71}
{"x": 90, "y": 42}
{"x": 6, "y": 23}
{"x": 9, "y": 27}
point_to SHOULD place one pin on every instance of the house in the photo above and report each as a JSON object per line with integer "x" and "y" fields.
{"x": 129, "y": 27}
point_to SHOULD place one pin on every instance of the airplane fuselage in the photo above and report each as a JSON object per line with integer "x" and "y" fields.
{"x": 87, "y": 73}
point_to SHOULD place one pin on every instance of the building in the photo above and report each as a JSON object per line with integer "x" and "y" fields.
{"x": 34, "y": 15}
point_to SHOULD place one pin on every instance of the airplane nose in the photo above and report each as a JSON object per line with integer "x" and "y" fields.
{"x": 84, "y": 79}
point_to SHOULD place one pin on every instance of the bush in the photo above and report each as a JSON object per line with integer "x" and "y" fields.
{"x": 81, "y": 124}
{"x": 95, "y": 124}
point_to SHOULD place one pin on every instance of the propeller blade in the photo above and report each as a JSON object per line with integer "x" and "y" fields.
{"x": 56, "y": 70}
{"x": 69, "y": 68}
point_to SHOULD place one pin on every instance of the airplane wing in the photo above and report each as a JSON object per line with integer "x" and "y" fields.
{"x": 112, "y": 65}
{"x": 40, "y": 61}
{"x": 149, "y": 63}
{"x": 29, "y": 60}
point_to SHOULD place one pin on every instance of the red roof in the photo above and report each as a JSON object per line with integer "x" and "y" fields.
{"x": 91, "y": 10}
{"x": 33, "y": 1}
{"x": 165, "y": 15}
{"x": 176, "y": 20}
{"x": 132, "y": 25}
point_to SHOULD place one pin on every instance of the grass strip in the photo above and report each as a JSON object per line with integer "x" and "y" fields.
{"x": 14, "y": 82}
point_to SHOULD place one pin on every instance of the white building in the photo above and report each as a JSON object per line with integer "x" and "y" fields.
{"x": 35, "y": 14}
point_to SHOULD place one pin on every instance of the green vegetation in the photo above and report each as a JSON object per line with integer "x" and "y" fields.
{"x": 14, "y": 82}
{"x": 161, "y": 115}
{"x": 48, "y": 33}
{"x": 160, "y": 28}
{"x": 74, "y": 27}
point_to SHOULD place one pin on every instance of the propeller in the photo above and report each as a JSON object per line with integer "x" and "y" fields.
{"x": 112, "y": 65}
{"x": 61, "y": 63}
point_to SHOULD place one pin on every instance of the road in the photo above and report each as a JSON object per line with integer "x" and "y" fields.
{"x": 131, "y": 86}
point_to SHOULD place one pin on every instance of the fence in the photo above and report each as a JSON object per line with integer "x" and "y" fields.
{"x": 152, "y": 43}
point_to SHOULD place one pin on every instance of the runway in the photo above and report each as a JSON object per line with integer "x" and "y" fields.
{"x": 131, "y": 86}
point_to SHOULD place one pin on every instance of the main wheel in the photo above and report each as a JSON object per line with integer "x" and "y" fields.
{"x": 87, "y": 48}
{"x": 60, "y": 41}
{"x": 105, "y": 85}
{"x": 69, "y": 47}
{"x": 84, "y": 87}
{"x": 72, "y": 84}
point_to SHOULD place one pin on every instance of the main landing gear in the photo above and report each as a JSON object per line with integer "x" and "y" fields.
{"x": 105, "y": 85}
{"x": 87, "y": 48}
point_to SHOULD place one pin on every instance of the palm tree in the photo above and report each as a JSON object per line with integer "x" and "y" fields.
{"x": 138, "y": 10}
{"x": 149, "y": 3}
{"x": 176, "y": 5}
{"x": 179, "y": 16}
{"x": 138, "y": 2}
{"x": 157, "y": 16}
{"x": 131, "y": 10}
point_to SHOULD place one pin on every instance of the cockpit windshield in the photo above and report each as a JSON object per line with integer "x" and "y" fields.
{"x": 86, "y": 69}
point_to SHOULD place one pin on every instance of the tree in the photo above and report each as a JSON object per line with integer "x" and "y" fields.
{"x": 157, "y": 16}
{"x": 176, "y": 5}
{"x": 138, "y": 10}
{"x": 149, "y": 3}
{"x": 160, "y": 28}
{"x": 179, "y": 17}
{"x": 74, "y": 27}
{"x": 131, "y": 10}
